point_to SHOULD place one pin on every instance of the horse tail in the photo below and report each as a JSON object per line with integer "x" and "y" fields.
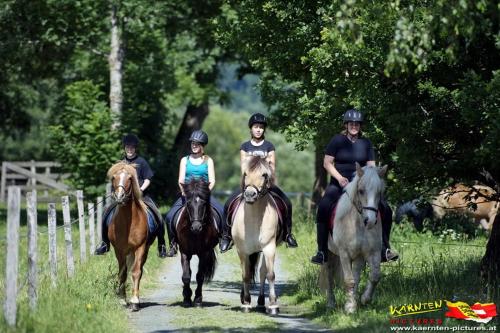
{"x": 408, "y": 208}
{"x": 418, "y": 214}
{"x": 207, "y": 264}
{"x": 254, "y": 259}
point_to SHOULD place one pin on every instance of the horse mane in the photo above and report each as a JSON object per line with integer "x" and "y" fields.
{"x": 346, "y": 201}
{"x": 257, "y": 163}
{"x": 197, "y": 186}
{"x": 130, "y": 169}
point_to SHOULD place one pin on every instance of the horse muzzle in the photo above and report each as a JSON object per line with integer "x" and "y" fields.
{"x": 196, "y": 226}
{"x": 250, "y": 196}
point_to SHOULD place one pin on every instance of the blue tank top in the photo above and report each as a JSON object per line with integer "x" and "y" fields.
{"x": 196, "y": 171}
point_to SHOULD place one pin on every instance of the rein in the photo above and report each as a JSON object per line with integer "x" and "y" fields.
{"x": 127, "y": 194}
{"x": 260, "y": 193}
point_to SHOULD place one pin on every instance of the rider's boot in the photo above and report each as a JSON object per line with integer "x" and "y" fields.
{"x": 321, "y": 256}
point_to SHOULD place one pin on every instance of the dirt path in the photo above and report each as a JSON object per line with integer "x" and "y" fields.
{"x": 162, "y": 309}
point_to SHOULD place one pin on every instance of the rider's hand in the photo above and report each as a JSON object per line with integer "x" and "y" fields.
{"x": 343, "y": 181}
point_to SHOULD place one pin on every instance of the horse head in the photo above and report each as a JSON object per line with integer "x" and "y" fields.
{"x": 369, "y": 189}
{"x": 197, "y": 203}
{"x": 123, "y": 178}
{"x": 257, "y": 179}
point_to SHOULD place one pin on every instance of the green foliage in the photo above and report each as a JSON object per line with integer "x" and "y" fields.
{"x": 82, "y": 139}
{"x": 425, "y": 74}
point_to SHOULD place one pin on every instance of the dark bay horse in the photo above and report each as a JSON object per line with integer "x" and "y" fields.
{"x": 197, "y": 234}
{"x": 128, "y": 231}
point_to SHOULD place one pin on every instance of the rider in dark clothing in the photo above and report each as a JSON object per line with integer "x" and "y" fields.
{"x": 258, "y": 146}
{"x": 144, "y": 175}
{"x": 341, "y": 155}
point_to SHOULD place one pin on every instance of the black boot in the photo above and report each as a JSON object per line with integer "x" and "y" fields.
{"x": 322, "y": 238}
{"x": 289, "y": 239}
{"x": 172, "y": 251}
{"x": 102, "y": 248}
{"x": 226, "y": 242}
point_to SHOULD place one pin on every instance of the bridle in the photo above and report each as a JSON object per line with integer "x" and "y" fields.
{"x": 203, "y": 202}
{"x": 360, "y": 207}
{"x": 260, "y": 192}
{"x": 126, "y": 197}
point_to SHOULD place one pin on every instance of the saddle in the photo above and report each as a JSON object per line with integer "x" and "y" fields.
{"x": 153, "y": 216}
{"x": 277, "y": 202}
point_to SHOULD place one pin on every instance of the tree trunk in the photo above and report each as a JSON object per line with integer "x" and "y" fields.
{"x": 192, "y": 121}
{"x": 490, "y": 264}
{"x": 320, "y": 181}
{"x": 116, "y": 56}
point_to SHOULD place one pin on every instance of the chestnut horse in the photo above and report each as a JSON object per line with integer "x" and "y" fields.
{"x": 197, "y": 234}
{"x": 128, "y": 231}
{"x": 356, "y": 238}
{"x": 256, "y": 231}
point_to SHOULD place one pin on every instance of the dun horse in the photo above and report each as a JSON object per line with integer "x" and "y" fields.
{"x": 256, "y": 231}
{"x": 357, "y": 237}
{"x": 128, "y": 231}
{"x": 197, "y": 234}
{"x": 474, "y": 201}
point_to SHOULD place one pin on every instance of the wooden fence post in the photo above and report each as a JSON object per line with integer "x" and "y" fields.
{"x": 81, "y": 226}
{"x": 52, "y": 242}
{"x": 70, "y": 262}
{"x": 31, "y": 204}
{"x": 91, "y": 227}
{"x": 99, "y": 219}
{"x": 12, "y": 266}
{"x": 3, "y": 182}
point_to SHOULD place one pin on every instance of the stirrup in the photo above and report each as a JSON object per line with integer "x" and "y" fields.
{"x": 172, "y": 251}
{"x": 102, "y": 249}
{"x": 389, "y": 256}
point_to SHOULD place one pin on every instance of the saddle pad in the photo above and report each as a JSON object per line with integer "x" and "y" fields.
{"x": 152, "y": 224}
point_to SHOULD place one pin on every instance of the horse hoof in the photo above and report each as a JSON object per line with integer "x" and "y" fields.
{"x": 330, "y": 305}
{"x": 187, "y": 303}
{"x": 261, "y": 309}
{"x": 273, "y": 310}
{"x": 365, "y": 299}
{"x": 134, "y": 306}
{"x": 245, "y": 308}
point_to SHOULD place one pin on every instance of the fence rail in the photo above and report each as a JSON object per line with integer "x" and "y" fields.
{"x": 86, "y": 221}
{"x": 32, "y": 175}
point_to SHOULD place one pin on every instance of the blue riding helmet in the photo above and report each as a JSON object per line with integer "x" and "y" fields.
{"x": 199, "y": 136}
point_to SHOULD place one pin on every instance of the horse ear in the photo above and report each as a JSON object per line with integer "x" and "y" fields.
{"x": 359, "y": 170}
{"x": 382, "y": 171}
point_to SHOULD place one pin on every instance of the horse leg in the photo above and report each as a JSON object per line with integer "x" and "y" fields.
{"x": 373, "y": 279}
{"x": 261, "y": 302}
{"x": 357, "y": 267}
{"x": 330, "y": 296}
{"x": 246, "y": 278}
{"x": 269, "y": 253}
{"x": 186, "y": 279}
{"x": 350, "y": 305}
{"x": 122, "y": 277}
{"x": 198, "y": 297}
{"x": 139, "y": 260}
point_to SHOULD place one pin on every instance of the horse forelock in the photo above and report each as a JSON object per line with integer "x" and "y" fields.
{"x": 257, "y": 164}
{"x": 197, "y": 186}
{"x": 131, "y": 170}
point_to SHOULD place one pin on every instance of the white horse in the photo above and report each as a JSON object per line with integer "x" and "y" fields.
{"x": 357, "y": 237}
{"x": 256, "y": 231}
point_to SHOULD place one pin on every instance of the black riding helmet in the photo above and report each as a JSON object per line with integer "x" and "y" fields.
{"x": 353, "y": 115}
{"x": 199, "y": 136}
{"x": 130, "y": 140}
{"x": 257, "y": 118}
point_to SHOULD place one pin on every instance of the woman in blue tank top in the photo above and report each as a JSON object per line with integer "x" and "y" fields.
{"x": 194, "y": 165}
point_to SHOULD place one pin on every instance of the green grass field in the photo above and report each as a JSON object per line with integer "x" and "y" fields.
{"x": 430, "y": 268}
{"x": 84, "y": 303}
